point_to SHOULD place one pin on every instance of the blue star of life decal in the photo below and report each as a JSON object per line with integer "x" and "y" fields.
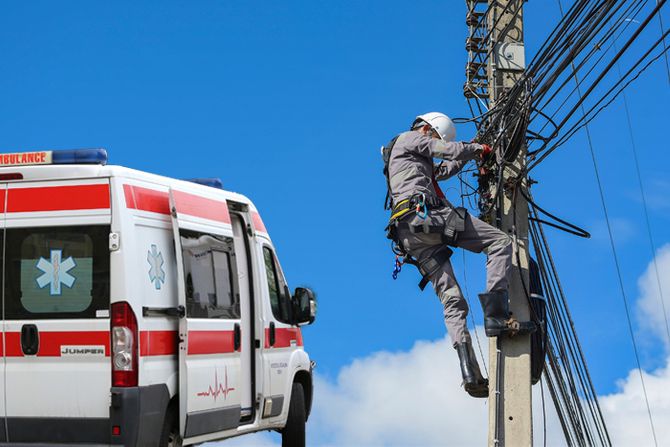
{"x": 156, "y": 272}
{"x": 55, "y": 272}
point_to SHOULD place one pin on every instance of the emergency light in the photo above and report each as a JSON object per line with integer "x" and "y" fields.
{"x": 58, "y": 157}
{"x": 211, "y": 181}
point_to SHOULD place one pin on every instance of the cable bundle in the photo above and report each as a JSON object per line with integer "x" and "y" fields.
{"x": 566, "y": 374}
{"x": 570, "y": 73}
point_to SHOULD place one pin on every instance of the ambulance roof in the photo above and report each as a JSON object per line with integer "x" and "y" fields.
{"x": 45, "y": 172}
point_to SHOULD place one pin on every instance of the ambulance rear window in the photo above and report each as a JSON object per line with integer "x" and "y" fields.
{"x": 56, "y": 272}
{"x": 211, "y": 276}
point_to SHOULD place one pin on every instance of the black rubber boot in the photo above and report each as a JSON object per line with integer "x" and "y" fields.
{"x": 473, "y": 382}
{"x": 497, "y": 319}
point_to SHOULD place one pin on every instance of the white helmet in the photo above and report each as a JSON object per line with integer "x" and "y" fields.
{"x": 441, "y": 123}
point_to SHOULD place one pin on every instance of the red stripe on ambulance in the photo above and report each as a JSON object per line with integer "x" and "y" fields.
{"x": 58, "y": 198}
{"x": 211, "y": 342}
{"x": 201, "y": 207}
{"x": 258, "y": 222}
{"x": 146, "y": 199}
{"x": 158, "y": 343}
{"x": 284, "y": 337}
{"x": 51, "y": 343}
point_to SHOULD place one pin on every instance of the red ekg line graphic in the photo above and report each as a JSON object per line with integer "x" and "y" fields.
{"x": 219, "y": 388}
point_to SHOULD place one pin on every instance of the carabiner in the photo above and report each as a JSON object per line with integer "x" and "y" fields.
{"x": 421, "y": 205}
{"x": 397, "y": 266}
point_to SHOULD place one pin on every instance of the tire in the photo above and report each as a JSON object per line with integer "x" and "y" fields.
{"x": 293, "y": 434}
{"x": 170, "y": 432}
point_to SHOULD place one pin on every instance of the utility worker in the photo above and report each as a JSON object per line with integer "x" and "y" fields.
{"x": 424, "y": 224}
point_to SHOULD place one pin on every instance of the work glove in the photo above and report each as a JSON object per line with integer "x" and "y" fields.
{"x": 486, "y": 151}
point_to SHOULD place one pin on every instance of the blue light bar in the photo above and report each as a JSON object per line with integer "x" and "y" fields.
{"x": 211, "y": 181}
{"x": 80, "y": 156}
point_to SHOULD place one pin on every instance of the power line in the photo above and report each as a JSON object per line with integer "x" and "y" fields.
{"x": 646, "y": 213}
{"x": 614, "y": 252}
{"x": 665, "y": 48}
{"x": 620, "y": 278}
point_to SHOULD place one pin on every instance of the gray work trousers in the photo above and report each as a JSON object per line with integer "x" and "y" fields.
{"x": 477, "y": 236}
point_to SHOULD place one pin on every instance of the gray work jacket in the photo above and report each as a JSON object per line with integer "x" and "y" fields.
{"x": 412, "y": 169}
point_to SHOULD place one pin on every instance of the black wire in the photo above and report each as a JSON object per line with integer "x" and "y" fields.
{"x": 665, "y": 47}
{"x": 574, "y": 47}
{"x": 621, "y": 285}
{"x": 599, "y": 78}
{"x": 579, "y": 419}
{"x": 591, "y": 114}
{"x": 652, "y": 246}
{"x": 571, "y": 228}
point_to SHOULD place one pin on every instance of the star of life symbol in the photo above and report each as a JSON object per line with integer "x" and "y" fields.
{"x": 55, "y": 272}
{"x": 156, "y": 272}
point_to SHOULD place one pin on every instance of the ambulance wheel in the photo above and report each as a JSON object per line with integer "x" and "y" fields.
{"x": 293, "y": 434}
{"x": 170, "y": 433}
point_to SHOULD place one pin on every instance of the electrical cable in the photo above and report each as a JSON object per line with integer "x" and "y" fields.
{"x": 571, "y": 228}
{"x": 620, "y": 278}
{"x": 665, "y": 47}
{"x": 652, "y": 246}
{"x": 577, "y": 49}
{"x": 599, "y": 78}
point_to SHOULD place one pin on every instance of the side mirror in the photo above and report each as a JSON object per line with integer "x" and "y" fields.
{"x": 304, "y": 305}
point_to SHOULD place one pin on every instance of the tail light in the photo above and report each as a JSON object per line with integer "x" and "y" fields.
{"x": 124, "y": 345}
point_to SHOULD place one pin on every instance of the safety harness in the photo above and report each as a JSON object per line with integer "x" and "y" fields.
{"x": 419, "y": 205}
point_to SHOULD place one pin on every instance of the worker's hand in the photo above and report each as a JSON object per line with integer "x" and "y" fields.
{"x": 486, "y": 151}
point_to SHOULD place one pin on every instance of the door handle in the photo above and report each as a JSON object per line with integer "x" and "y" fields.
{"x": 30, "y": 340}
{"x": 237, "y": 337}
{"x": 272, "y": 333}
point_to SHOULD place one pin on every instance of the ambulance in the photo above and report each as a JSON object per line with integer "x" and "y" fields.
{"x": 141, "y": 310}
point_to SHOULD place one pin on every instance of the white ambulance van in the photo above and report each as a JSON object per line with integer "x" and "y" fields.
{"x": 140, "y": 310}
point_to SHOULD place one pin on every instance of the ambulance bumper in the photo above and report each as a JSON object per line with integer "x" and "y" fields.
{"x": 139, "y": 413}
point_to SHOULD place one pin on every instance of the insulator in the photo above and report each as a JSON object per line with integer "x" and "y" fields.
{"x": 473, "y": 17}
{"x": 474, "y": 44}
{"x": 473, "y": 67}
{"x": 470, "y": 90}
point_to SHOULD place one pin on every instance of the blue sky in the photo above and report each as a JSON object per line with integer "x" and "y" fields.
{"x": 288, "y": 103}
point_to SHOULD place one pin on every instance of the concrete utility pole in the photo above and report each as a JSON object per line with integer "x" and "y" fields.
{"x": 510, "y": 400}
{"x": 496, "y": 60}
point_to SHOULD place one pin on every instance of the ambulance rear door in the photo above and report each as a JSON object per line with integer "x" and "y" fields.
{"x": 56, "y": 310}
{"x": 209, "y": 331}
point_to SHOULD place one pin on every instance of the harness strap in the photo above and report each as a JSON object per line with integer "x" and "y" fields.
{"x": 407, "y": 205}
{"x": 432, "y": 264}
{"x": 386, "y": 157}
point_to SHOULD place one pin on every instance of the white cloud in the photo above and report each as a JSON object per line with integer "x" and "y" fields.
{"x": 399, "y": 399}
{"x": 650, "y": 307}
{"x": 626, "y": 412}
{"x": 414, "y": 398}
